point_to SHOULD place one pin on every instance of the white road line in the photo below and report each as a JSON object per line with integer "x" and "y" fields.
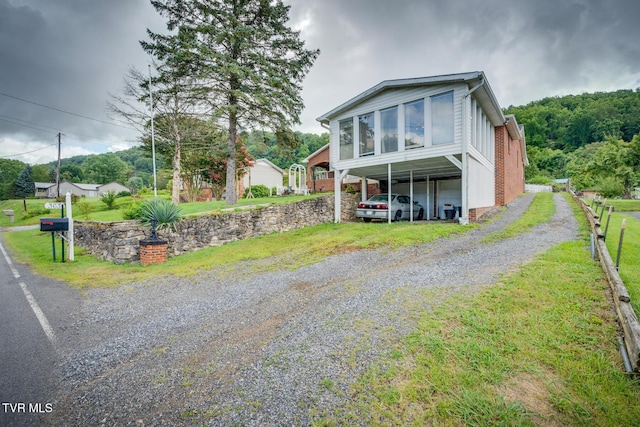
{"x": 46, "y": 327}
{"x": 6, "y": 256}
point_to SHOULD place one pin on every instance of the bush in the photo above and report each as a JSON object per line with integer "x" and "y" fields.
{"x": 540, "y": 180}
{"x": 63, "y": 199}
{"x": 165, "y": 212}
{"x": 259, "y": 191}
{"x": 35, "y": 212}
{"x": 109, "y": 199}
{"x": 84, "y": 209}
{"x": 133, "y": 211}
{"x": 610, "y": 188}
{"x": 123, "y": 194}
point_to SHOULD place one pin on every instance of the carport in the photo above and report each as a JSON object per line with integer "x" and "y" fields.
{"x": 433, "y": 182}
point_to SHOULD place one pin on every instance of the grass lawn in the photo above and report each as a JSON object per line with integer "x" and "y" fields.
{"x": 99, "y": 211}
{"x": 629, "y": 269}
{"x": 539, "y": 348}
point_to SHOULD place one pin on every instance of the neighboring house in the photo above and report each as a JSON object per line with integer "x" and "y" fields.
{"x": 87, "y": 190}
{"x": 320, "y": 177}
{"x": 45, "y": 190}
{"x": 115, "y": 187}
{"x": 262, "y": 172}
{"x": 443, "y": 139}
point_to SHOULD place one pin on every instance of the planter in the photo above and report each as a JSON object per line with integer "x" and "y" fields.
{"x": 153, "y": 251}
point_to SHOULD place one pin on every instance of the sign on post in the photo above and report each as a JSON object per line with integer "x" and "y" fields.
{"x": 53, "y": 205}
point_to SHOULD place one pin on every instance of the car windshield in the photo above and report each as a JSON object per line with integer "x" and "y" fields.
{"x": 381, "y": 198}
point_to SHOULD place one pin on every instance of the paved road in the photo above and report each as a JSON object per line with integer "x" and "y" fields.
{"x": 28, "y": 361}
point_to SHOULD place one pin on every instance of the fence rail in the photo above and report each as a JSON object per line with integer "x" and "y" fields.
{"x": 626, "y": 315}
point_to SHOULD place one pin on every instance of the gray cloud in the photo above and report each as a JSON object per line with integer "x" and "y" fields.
{"x": 72, "y": 53}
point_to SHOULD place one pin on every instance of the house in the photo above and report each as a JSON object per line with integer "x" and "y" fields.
{"x": 114, "y": 187}
{"x": 320, "y": 177}
{"x": 45, "y": 190}
{"x": 81, "y": 190}
{"x": 262, "y": 172}
{"x": 443, "y": 140}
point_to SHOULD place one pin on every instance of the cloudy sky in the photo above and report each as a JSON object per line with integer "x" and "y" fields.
{"x": 60, "y": 60}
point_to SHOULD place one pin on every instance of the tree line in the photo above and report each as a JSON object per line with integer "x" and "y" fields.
{"x": 134, "y": 167}
{"x": 592, "y": 138}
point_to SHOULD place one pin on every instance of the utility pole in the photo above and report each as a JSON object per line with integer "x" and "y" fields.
{"x": 153, "y": 143}
{"x": 58, "y": 171}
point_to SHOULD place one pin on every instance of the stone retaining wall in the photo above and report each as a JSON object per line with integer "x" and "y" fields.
{"x": 120, "y": 241}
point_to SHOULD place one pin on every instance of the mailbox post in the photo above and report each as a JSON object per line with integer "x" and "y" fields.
{"x": 55, "y": 225}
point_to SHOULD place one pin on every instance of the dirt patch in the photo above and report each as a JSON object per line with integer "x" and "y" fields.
{"x": 533, "y": 394}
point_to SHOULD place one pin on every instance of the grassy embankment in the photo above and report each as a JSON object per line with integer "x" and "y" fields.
{"x": 100, "y": 212}
{"x": 539, "y": 348}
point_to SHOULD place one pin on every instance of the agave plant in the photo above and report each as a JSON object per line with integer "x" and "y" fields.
{"x": 165, "y": 212}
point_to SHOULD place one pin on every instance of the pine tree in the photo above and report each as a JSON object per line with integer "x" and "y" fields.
{"x": 24, "y": 184}
{"x": 249, "y": 64}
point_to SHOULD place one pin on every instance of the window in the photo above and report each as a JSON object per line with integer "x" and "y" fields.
{"x": 389, "y": 129}
{"x": 346, "y": 139}
{"x": 414, "y": 124}
{"x": 367, "y": 134}
{"x": 442, "y": 118}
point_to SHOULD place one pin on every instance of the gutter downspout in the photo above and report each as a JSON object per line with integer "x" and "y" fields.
{"x": 464, "y": 220}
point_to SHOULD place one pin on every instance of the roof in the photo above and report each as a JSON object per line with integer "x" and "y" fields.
{"x": 269, "y": 163}
{"x": 516, "y": 132}
{"x": 318, "y": 151}
{"x": 476, "y": 81}
{"x": 86, "y": 187}
{"x": 44, "y": 184}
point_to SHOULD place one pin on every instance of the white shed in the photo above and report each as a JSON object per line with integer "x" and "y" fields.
{"x": 263, "y": 172}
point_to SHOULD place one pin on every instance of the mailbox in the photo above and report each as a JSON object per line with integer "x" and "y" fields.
{"x": 54, "y": 224}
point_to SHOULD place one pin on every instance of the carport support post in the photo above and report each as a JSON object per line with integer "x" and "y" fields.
{"x": 389, "y": 193}
{"x": 411, "y": 196}
{"x": 337, "y": 193}
{"x": 363, "y": 185}
{"x": 70, "y": 232}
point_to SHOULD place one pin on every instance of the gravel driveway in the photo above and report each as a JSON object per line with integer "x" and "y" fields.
{"x": 232, "y": 346}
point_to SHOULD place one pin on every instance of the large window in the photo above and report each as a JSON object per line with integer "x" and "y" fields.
{"x": 367, "y": 134}
{"x": 346, "y": 139}
{"x": 389, "y": 129}
{"x": 414, "y": 124}
{"x": 442, "y": 118}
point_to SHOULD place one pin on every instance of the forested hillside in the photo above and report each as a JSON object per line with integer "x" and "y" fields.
{"x": 592, "y": 138}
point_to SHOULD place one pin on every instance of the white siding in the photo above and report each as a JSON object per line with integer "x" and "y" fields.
{"x": 449, "y": 191}
{"x": 263, "y": 174}
{"x": 398, "y": 97}
{"x": 481, "y": 185}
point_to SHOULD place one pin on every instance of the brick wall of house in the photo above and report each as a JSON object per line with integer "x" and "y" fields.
{"x": 509, "y": 170}
{"x": 320, "y": 159}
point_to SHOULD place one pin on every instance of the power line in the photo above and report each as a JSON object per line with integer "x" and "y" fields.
{"x": 31, "y": 127}
{"x": 28, "y": 152}
{"x": 64, "y": 111}
{"x": 76, "y": 138}
{"x": 26, "y": 121}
